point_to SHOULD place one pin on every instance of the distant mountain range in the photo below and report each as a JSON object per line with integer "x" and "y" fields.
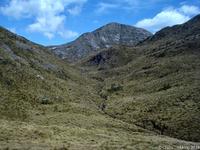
{"x": 104, "y": 37}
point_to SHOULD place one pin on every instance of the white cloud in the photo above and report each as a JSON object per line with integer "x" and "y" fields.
{"x": 168, "y": 17}
{"x": 75, "y": 10}
{"x": 104, "y": 7}
{"x": 131, "y": 5}
{"x": 48, "y": 16}
{"x": 68, "y": 34}
{"x": 189, "y": 10}
{"x": 144, "y": 2}
{"x": 48, "y": 25}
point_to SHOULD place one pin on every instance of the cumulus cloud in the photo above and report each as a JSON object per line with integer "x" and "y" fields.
{"x": 169, "y": 17}
{"x": 189, "y": 10}
{"x": 75, "y": 10}
{"x": 48, "y": 16}
{"x": 67, "y": 34}
{"x": 131, "y": 5}
{"x": 104, "y": 7}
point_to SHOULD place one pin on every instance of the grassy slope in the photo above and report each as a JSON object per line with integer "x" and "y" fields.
{"x": 34, "y": 76}
{"x": 163, "y": 98}
{"x": 159, "y": 89}
{"x": 46, "y": 104}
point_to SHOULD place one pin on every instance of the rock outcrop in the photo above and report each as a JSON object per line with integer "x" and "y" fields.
{"x": 104, "y": 37}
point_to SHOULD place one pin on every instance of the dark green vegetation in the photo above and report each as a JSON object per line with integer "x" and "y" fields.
{"x": 121, "y": 98}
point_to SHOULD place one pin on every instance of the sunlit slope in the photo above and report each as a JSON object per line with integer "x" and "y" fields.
{"x": 30, "y": 76}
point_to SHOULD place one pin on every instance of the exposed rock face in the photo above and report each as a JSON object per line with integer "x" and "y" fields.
{"x": 104, "y": 37}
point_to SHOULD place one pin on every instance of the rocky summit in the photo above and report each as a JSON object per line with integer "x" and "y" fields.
{"x": 104, "y": 37}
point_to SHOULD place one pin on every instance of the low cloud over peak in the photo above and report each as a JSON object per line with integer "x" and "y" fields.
{"x": 169, "y": 17}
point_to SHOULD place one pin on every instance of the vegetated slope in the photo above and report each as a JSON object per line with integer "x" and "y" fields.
{"x": 109, "y": 58}
{"x": 46, "y": 104}
{"x": 104, "y": 37}
{"x": 159, "y": 89}
{"x": 31, "y": 75}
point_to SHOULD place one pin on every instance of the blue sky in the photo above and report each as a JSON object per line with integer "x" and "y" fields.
{"x": 52, "y": 22}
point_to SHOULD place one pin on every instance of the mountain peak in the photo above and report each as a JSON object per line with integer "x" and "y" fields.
{"x": 115, "y": 24}
{"x": 118, "y": 26}
{"x": 104, "y": 37}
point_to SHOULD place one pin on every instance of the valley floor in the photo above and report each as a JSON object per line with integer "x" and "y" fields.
{"x": 58, "y": 127}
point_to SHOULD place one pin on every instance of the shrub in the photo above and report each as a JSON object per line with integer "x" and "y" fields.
{"x": 45, "y": 100}
{"x": 115, "y": 87}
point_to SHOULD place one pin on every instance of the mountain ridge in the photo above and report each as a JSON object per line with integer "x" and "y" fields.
{"x": 104, "y": 37}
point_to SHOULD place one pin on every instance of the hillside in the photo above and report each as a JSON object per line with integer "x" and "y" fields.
{"x": 104, "y": 37}
{"x": 48, "y": 104}
{"x": 155, "y": 84}
{"x": 30, "y": 70}
{"x": 143, "y": 96}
